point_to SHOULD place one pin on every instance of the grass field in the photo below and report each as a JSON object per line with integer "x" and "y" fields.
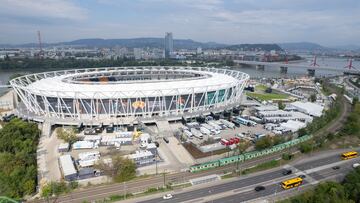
{"x": 267, "y": 96}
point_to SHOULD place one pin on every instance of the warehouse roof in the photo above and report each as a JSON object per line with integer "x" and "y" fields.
{"x": 58, "y": 86}
{"x": 67, "y": 165}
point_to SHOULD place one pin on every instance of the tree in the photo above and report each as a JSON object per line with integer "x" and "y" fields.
{"x": 121, "y": 169}
{"x": 305, "y": 147}
{"x": 18, "y": 171}
{"x": 352, "y": 185}
{"x": 302, "y": 132}
{"x": 241, "y": 148}
{"x": 263, "y": 143}
{"x": 66, "y": 135}
{"x": 281, "y": 105}
{"x": 312, "y": 98}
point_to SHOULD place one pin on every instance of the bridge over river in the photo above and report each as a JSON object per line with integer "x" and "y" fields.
{"x": 311, "y": 68}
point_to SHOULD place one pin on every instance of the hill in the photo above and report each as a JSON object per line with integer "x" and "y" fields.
{"x": 253, "y": 47}
{"x": 302, "y": 46}
{"x": 130, "y": 43}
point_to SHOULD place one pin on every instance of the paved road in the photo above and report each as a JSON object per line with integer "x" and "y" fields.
{"x": 103, "y": 191}
{"x": 275, "y": 189}
{"x": 261, "y": 179}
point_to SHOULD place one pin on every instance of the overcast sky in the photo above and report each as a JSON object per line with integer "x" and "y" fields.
{"x": 328, "y": 22}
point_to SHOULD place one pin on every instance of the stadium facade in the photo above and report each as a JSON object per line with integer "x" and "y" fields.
{"x": 129, "y": 91}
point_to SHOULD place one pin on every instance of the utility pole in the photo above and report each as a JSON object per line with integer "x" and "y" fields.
{"x": 164, "y": 179}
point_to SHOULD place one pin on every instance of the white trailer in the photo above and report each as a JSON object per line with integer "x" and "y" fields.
{"x": 213, "y": 124}
{"x": 197, "y": 133}
{"x": 188, "y": 134}
{"x": 207, "y": 126}
{"x": 83, "y": 145}
{"x": 88, "y": 162}
{"x": 87, "y": 155}
{"x": 204, "y": 131}
{"x": 227, "y": 123}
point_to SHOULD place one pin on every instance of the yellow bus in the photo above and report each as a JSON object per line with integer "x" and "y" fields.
{"x": 294, "y": 182}
{"x": 349, "y": 155}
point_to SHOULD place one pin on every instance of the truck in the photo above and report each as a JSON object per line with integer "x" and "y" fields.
{"x": 214, "y": 125}
{"x": 243, "y": 121}
{"x": 227, "y": 123}
{"x": 196, "y": 133}
{"x": 188, "y": 134}
{"x": 193, "y": 125}
{"x": 204, "y": 131}
{"x": 225, "y": 142}
{"x": 207, "y": 126}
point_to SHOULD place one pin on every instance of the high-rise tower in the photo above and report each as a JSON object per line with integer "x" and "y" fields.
{"x": 169, "y": 45}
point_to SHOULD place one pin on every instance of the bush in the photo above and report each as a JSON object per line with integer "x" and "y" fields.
{"x": 305, "y": 147}
{"x": 121, "y": 170}
{"x": 287, "y": 156}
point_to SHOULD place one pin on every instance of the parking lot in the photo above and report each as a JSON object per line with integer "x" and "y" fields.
{"x": 192, "y": 144}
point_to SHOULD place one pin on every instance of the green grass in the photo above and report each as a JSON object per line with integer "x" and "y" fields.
{"x": 262, "y": 166}
{"x": 267, "y": 96}
{"x": 261, "y": 87}
{"x": 230, "y": 175}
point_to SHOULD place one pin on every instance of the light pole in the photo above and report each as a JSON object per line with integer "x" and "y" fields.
{"x": 156, "y": 165}
{"x": 124, "y": 190}
{"x": 164, "y": 178}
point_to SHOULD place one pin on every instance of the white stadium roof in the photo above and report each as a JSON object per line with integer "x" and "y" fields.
{"x": 56, "y": 86}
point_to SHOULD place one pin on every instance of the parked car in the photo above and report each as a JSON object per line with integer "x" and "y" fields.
{"x": 355, "y": 165}
{"x": 336, "y": 167}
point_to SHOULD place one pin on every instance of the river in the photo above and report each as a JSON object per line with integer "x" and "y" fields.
{"x": 272, "y": 72}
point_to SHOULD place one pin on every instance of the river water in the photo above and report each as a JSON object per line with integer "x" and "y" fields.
{"x": 338, "y": 63}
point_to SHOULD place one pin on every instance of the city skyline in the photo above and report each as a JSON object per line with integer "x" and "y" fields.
{"x": 328, "y": 23}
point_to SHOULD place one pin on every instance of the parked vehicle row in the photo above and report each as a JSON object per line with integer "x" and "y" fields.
{"x": 231, "y": 141}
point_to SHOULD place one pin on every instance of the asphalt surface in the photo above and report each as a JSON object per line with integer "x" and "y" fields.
{"x": 104, "y": 191}
{"x": 275, "y": 189}
{"x": 253, "y": 181}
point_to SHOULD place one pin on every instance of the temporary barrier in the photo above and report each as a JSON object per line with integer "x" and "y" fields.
{"x": 248, "y": 155}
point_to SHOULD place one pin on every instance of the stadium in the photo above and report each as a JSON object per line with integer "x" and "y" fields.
{"x": 147, "y": 92}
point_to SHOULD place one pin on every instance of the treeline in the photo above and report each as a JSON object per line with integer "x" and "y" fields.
{"x": 18, "y": 169}
{"x": 52, "y": 64}
{"x": 352, "y": 125}
{"x": 332, "y": 192}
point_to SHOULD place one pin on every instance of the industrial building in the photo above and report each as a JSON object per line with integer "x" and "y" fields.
{"x": 67, "y": 167}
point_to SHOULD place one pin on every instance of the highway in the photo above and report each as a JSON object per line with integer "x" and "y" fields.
{"x": 315, "y": 170}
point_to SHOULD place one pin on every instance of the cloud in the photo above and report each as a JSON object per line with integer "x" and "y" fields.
{"x": 57, "y": 9}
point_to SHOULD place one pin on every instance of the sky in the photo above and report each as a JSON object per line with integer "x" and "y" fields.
{"x": 327, "y": 22}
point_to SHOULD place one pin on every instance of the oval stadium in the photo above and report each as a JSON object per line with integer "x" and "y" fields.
{"x": 146, "y": 92}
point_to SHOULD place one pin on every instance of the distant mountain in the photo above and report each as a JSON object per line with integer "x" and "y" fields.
{"x": 253, "y": 47}
{"x": 302, "y": 46}
{"x": 130, "y": 43}
{"x": 350, "y": 47}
